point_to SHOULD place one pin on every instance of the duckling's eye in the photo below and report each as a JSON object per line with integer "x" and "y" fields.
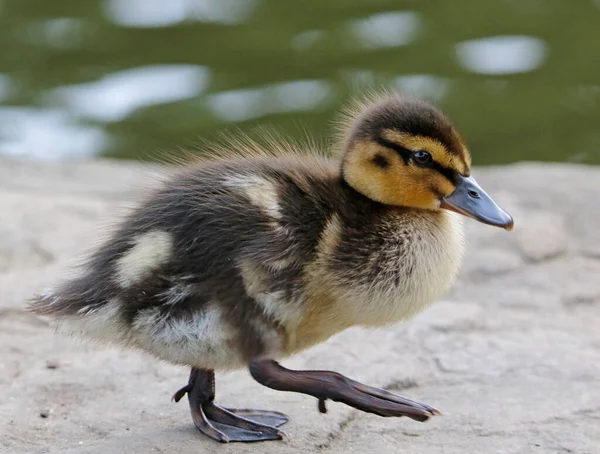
{"x": 422, "y": 158}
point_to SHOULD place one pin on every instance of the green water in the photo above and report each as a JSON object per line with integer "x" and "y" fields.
{"x": 132, "y": 78}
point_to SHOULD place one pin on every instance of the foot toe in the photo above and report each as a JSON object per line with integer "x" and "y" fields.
{"x": 265, "y": 417}
{"x": 241, "y": 434}
{"x": 207, "y": 427}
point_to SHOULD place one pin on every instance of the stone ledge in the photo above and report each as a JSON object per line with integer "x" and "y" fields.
{"x": 511, "y": 356}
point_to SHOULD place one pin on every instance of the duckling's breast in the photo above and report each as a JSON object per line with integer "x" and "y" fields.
{"x": 406, "y": 263}
{"x": 379, "y": 273}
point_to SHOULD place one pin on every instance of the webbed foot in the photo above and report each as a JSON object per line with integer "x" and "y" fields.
{"x": 227, "y": 424}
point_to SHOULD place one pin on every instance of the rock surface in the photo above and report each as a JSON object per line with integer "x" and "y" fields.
{"x": 511, "y": 355}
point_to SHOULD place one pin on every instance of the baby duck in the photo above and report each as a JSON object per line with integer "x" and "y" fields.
{"x": 243, "y": 260}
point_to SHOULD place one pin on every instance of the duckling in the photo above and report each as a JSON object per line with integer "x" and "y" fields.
{"x": 247, "y": 258}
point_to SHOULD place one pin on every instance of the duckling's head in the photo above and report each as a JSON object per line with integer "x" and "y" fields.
{"x": 406, "y": 152}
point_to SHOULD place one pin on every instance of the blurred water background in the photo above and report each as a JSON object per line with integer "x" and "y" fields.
{"x": 129, "y": 78}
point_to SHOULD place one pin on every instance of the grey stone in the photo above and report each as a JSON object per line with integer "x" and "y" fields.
{"x": 511, "y": 355}
{"x": 542, "y": 235}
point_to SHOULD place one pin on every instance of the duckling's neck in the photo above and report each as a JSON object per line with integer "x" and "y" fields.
{"x": 366, "y": 207}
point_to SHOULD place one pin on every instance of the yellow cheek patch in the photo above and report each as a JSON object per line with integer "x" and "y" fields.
{"x": 397, "y": 184}
{"x": 442, "y": 185}
{"x": 437, "y": 149}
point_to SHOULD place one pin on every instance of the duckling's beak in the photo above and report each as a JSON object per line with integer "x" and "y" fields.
{"x": 470, "y": 200}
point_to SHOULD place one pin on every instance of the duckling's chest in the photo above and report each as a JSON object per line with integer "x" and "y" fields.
{"x": 397, "y": 269}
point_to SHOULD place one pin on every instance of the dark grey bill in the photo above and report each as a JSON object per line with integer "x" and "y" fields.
{"x": 470, "y": 200}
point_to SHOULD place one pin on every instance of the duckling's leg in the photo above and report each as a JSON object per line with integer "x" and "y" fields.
{"x": 226, "y": 424}
{"x": 330, "y": 385}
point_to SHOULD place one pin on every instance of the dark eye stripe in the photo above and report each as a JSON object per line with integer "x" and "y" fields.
{"x": 403, "y": 152}
{"x": 450, "y": 174}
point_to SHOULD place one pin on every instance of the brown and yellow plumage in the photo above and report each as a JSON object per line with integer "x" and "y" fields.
{"x": 260, "y": 252}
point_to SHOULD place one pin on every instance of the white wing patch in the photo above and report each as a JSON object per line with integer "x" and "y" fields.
{"x": 151, "y": 250}
{"x": 273, "y": 302}
{"x": 262, "y": 193}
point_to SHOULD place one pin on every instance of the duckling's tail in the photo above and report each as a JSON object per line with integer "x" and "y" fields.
{"x": 82, "y": 311}
{"x": 71, "y": 299}
{"x": 50, "y": 304}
